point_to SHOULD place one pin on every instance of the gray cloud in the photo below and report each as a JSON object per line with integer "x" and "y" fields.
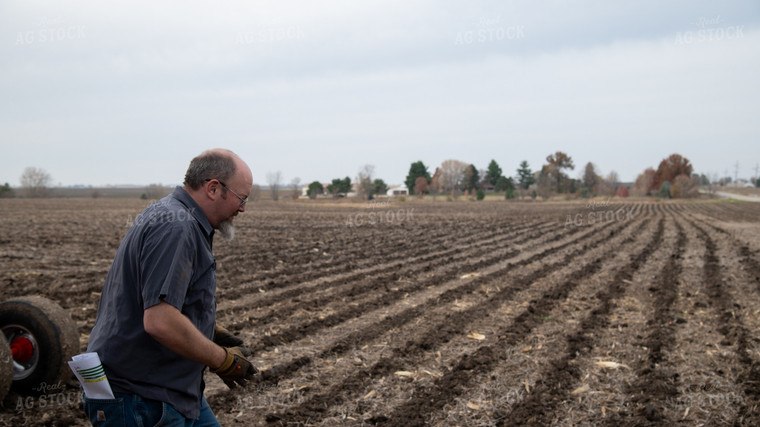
{"x": 100, "y": 93}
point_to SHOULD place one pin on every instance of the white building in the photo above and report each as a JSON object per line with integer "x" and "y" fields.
{"x": 397, "y": 190}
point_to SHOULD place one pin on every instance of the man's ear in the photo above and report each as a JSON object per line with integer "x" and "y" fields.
{"x": 211, "y": 188}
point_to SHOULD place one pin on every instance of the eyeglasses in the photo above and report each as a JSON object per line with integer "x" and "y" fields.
{"x": 242, "y": 200}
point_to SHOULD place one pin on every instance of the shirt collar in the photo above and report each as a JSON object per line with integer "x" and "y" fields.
{"x": 183, "y": 197}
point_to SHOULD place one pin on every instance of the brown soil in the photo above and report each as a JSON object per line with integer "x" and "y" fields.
{"x": 448, "y": 313}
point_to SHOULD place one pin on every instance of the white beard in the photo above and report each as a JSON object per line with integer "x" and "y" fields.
{"x": 226, "y": 229}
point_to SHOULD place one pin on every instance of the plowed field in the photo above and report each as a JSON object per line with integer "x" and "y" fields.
{"x": 447, "y": 313}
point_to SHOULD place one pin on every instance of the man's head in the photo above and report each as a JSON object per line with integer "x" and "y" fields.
{"x": 220, "y": 182}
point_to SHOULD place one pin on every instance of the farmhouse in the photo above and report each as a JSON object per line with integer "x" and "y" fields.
{"x": 397, "y": 190}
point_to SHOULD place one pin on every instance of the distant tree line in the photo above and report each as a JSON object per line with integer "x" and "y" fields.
{"x": 673, "y": 178}
{"x": 366, "y": 186}
{"x": 455, "y": 177}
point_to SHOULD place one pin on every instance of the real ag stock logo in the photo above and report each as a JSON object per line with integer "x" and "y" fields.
{"x": 380, "y": 213}
{"x": 53, "y": 395}
{"x": 272, "y": 32}
{"x": 51, "y": 30}
{"x": 604, "y": 214}
{"x": 489, "y": 29}
{"x": 710, "y": 29}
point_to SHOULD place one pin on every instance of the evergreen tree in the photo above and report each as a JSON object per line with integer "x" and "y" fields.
{"x": 494, "y": 172}
{"x": 525, "y": 175}
{"x": 504, "y": 184}
{"x": 315, "y": 189}
{"x": 416, "y": 170}
{"x": 379, "y": 187}
{"x": 590, "y": 178}
{"x": 665, "y": 190}
{"x": 6, "y": 191}
{"x": 339, "y": 186}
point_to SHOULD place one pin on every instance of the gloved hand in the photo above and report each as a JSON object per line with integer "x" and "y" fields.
{"x": 236, "y": 369}
{"x": 225, "y": 338}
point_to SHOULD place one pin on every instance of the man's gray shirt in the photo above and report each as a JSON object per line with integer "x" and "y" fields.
{"x": 165, "y": 256}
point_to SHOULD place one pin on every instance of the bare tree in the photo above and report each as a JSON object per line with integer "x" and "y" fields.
{"x": 545, "y": 181}
{"x": 255, "y": 193}
{"x": 645, "y": 182}
{"x": 610, "y": 184}
{"x": 435, "y": 182}
{"x": 452, "y": 175}
{"x": 684, "y": 187}
{"x": 274, "y": 180}
{"x": 420, "y": 187}
{"x": 556, "y": 163}
{"x": 155, "y": 191}
{"x": 35, "y": 182}
{"x": 712, "y": 186}
{"x": 364, "y": 179}
{"x": 296, "y": 192}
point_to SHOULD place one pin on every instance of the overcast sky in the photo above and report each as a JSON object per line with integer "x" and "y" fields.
{"x": 127, "y": 92}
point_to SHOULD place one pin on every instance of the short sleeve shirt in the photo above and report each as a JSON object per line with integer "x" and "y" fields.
{"x": 165, "y": 256}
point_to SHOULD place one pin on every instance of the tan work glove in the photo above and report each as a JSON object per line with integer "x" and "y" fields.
{"x": 235, "y": 369}
{"x": 225, "y": 338}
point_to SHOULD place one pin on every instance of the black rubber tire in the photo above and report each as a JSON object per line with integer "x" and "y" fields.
{"x": 6, "y": 369}
{"x": 56, "y": 336}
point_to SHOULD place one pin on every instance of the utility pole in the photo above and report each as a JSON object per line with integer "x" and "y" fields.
{"x": 736, "y": 172}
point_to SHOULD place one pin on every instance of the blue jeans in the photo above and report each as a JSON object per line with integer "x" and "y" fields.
{"x": 131, "y": 410}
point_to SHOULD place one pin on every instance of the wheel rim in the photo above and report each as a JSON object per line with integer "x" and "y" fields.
{"x": 24, "y": 349}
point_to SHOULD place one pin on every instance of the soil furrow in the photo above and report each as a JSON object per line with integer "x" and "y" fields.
{"x": 389, "y": 253}
{"x": 285, "y": 370}
{"x": 429, "y": 399}
{"x": 657, "y": 384}
{"x": 732, "y": 329}
{"x": 300, "y": 331}
{"x": 747, "y": 257}
{"x": 389, "y": 275}
{"x": 391, "y": 271}
{"x": 450, "y": 326}
{"x": 393, "y": 292}
{"x": 559, "y": 375}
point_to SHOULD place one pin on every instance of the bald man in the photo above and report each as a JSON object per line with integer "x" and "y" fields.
{"x": 155, "y": 330}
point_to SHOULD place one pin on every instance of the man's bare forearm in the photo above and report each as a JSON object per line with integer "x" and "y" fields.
{"x": 170, "y": 327}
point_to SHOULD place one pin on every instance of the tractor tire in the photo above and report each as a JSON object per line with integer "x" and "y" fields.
{"x": 42, "y": 337}
{"x": 6, "y": 369}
